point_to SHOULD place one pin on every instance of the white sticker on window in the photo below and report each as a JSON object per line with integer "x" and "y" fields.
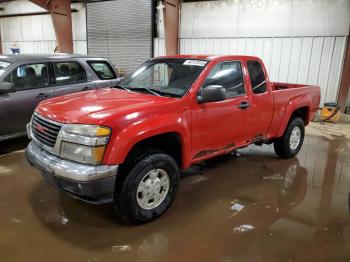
{"x": 195, "y": 62}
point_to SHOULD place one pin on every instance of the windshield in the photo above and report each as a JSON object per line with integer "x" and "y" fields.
{"x": 165, "y": 76}
{"x": 3, "y": 65}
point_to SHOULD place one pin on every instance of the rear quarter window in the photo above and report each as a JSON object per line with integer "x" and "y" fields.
{"x": 103, "y": 69}
{"x": 257, "y": 77}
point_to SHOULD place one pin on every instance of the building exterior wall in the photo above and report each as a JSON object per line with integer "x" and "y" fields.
{"x": 300, "y": 41}
{"x": 35, "y": 34}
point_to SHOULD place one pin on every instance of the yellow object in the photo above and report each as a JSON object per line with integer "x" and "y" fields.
{"x": 327, "y": 111}
{"x": 102, "y": 131}
{"x": 97, "y": 153}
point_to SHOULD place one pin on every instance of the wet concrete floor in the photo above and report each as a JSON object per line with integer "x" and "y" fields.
{"x": 252, "y": 207}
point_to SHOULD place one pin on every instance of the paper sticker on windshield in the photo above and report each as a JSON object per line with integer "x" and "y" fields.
{"x": 195, "y": 62}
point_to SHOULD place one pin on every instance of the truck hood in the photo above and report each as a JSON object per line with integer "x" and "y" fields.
{"x": 93, "y": 107}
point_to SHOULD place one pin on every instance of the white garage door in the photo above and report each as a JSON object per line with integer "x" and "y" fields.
{"x": 120, "y": 30}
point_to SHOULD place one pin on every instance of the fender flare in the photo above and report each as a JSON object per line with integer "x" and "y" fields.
{"x": 295, "y": 104}
{"x": 126, "y": 139}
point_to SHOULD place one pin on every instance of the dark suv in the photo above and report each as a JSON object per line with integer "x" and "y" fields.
{"x": 26, "y": 80}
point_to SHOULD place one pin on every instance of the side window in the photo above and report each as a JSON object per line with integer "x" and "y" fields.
{"x": 29, "y": 76}
{"x": 103, "y": 69}
{"x": 230, "y": 76}
{"x": 257, "y": 77}
{"x": 69, "y": 73}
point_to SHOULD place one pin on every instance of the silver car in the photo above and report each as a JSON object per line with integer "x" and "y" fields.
{"x": 26, "y": 80}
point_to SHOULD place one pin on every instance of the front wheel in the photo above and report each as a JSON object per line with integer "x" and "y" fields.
{"x": 290, "y": 143}
{"x": 149, "y": 187}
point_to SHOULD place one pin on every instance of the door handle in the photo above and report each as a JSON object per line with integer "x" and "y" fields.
{"x": 244, "y": 105}
{"x": 85, "y": 88}
{"x": 42, "y": 96}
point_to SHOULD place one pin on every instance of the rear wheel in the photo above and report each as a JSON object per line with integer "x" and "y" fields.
{"x": 149, "y": 187}
{"x": 290, "y": 143}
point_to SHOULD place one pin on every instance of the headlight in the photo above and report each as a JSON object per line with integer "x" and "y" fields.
{"x": 87, "y": 130}
{"x": 84, "y": 143}
{"x": 81, "y": 153}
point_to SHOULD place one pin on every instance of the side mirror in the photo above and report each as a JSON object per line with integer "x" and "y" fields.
{"x": 211, "y": 93}
{"x": 6, "y": 87}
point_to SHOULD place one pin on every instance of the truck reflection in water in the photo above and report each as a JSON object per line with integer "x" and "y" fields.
{"x": 266, "y": 192}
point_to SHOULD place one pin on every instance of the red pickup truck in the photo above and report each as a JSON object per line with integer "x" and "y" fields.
{"x": 126, "y": 144}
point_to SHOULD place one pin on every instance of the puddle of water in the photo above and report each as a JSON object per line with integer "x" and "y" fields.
{"x": 300, "y": 211}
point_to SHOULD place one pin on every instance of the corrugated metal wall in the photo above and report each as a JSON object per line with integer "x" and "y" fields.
{"x": 300, "y": 41}
{"x": 304, "y": 60}
{"x": 120, "y": 30}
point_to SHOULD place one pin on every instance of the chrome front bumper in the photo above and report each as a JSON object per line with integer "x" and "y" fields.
{"x": 57, "y": 166}
{"x": 90, "y": 183}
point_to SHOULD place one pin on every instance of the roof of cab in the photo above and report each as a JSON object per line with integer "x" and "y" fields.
{"x": 209, "y": 57}
{"x": 36, "y": 57}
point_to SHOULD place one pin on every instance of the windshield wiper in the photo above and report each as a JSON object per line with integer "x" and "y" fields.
{"x": 152, "y": 91}
{"x": 130, "y": 89}
{"x": 122, "y": 87}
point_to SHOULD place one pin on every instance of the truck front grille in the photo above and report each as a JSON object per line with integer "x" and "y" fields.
{"x": 45, "y": 131}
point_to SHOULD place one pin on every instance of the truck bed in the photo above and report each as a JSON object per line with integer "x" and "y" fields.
{"x": 282, "y": 86}
{"x": 286, "y": 96}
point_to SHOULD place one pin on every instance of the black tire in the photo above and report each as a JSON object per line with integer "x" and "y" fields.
{"x": 282, "y": 144}
{"x": 125, "y": 196}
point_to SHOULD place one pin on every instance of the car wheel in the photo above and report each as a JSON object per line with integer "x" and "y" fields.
{"x": 290, "y": 143}
{"x": 149, "y": 188}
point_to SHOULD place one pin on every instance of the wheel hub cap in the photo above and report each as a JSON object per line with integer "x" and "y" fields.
{"x": 290, "y": 176}
{"x": 295, "y": 137}
{"x": 153, "y": 189}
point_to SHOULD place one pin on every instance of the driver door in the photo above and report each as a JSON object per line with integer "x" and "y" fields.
{"x": 31, "y": 82}
{"x": 221, "y": 125}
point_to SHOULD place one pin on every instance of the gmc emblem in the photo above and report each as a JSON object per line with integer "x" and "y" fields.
{"x": 39, "y": 128}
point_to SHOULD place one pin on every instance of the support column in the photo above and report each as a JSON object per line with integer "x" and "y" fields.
{"x": 0, "y": 44}
{"x": 61, "y": 15}
{"x": 345, "y": 78}
{"x": 171, "y": 14}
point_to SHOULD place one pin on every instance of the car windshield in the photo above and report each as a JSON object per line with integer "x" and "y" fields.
{"x": 164, "y": 76}
{"x": 3, "y": 65}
